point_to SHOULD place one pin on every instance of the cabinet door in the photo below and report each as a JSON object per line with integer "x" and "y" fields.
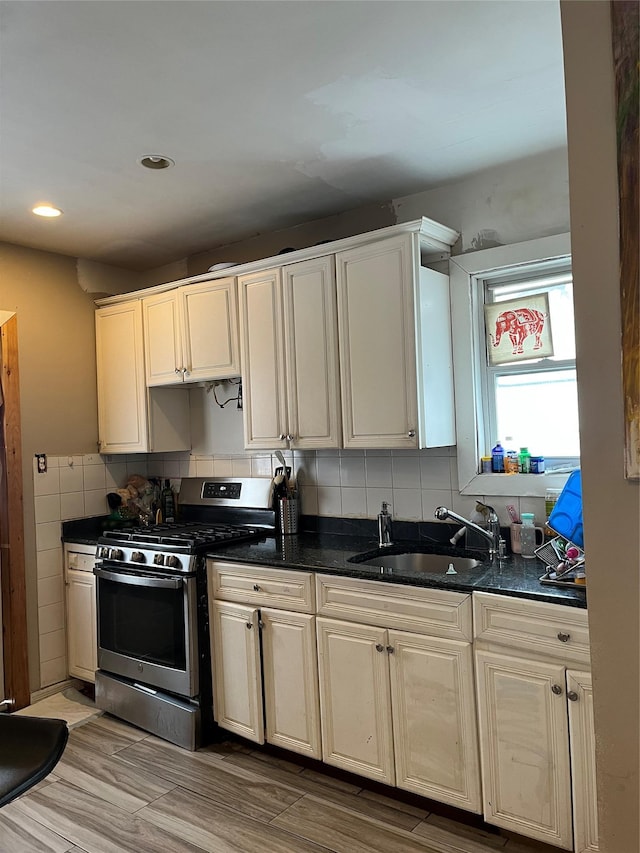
{"x": 82, "y": 631}
{"x": 290, "y": 678}
{"x": 162, "y": 339}
{"x": 377, "y": 344}
{"x": 210, "y": 330}
{"x": 583, "y": 761}
{"x": 263, "y": 370}
{"x": 434, "y": 719}
{"x": 355, "y": 698}
{"x": 311, "y": 336}
{"x": 524, "y": 743}
{"x": 122, "y": 400}
{"x": 235, "y": 658}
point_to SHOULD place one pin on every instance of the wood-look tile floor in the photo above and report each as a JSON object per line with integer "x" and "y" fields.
{"x": 119, "y": 790}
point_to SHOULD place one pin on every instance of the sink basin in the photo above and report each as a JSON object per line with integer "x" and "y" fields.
{"x": 438, "y": 564}
{"x": 420, "y": 557}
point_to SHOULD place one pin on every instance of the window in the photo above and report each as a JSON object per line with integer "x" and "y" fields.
{"x": 533, "y": 400}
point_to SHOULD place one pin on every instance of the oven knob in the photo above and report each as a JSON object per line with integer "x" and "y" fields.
{"x": 103, "y": 552}
{"x": 138, "y": 557}
{"x": 158, "y": 559}
{"x": 116, "y": 554}
{"x": 173, "y": 562}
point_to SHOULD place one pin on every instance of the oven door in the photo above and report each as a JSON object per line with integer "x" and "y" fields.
{"x": 147, "y": 628}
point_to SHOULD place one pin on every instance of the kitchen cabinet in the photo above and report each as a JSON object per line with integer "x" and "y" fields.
{"x": 536, "y": 720}
{"x": 265, "y": 681}
{"x": 132, "y": 418}
{"x": 288, "y": 334}
{"x": 395, "y": 347}
{"x": 82, "y": 630}
{"x": 398, "y": 706}
{"x": 191, "y": 333}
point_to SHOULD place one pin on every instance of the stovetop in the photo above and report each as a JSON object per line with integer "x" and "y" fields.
{"x": 191, "y": 536}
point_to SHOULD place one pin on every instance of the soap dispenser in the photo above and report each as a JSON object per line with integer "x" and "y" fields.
{"x": 384, "y": 526}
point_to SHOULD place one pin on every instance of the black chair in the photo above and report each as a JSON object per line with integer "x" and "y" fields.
{"x": 30, "y": 747}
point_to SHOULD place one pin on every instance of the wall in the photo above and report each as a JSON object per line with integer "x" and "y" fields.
{"x": 611, "y": 504}
{"x": 56, "y": 343}
{"x": 514, "y": 202}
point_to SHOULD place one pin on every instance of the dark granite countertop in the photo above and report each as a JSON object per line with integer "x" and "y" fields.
{"x": 329, "y": 553}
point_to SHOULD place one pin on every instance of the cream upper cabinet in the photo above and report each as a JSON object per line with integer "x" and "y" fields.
{"x": 191, "y": 333}
{"x": 288, "y": 336}
{"x": 132, "y": 418}
{"x": 395, "y": 347}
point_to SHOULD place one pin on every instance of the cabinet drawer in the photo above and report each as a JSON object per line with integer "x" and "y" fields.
{"x": 547, "y": 629}
{"x": 436, "y": 612}
{"x": 261, "y": 586}
{"x": 79, "y": 561}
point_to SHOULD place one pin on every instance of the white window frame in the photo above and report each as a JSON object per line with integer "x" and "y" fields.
{"x": 468, "y": 359}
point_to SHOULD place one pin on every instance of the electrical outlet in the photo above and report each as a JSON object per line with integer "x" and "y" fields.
{"x": 42, "y": 462}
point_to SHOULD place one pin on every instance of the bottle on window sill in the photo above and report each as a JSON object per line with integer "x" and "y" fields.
{"x": 524, "y": 460}
{"x": 497, "y": 459}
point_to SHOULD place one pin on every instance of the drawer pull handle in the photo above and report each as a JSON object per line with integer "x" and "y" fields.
{"x": 555, "y": 688}
{"x": 572, "y": 696}
{"x": 390, "y": 649}
{"x": 249, "y": 625}
{"x": 564, "y": 638}
{"x": 256, "y": 587}
{"x": 379, "y": 647}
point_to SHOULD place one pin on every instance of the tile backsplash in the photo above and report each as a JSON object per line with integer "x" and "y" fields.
{"x": 342, "y": 483}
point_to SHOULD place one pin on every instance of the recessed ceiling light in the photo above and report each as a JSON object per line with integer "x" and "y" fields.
{"x": 156, "y": 161}
{"x": 46, "y": 209}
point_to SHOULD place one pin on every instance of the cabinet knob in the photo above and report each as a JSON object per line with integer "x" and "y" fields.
{"x": 572, "y": 696}
{"x": 555, "y": 688}
{"x": 564, "y": 638}
{"x": 256, "y": 587}
{"x": 178, "y": 370}
{"x": 379, "y": 647}
{"x": 249, "y": 625}
{"x": 390, "y": 649}
{"x": 186, "y": 370}
{"x": 282, "y": 436}
{"x": 289, "y": 437}
{"x": 411, "y": 433}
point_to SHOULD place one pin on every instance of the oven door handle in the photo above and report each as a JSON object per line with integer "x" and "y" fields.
{"x": 139, "y": 580}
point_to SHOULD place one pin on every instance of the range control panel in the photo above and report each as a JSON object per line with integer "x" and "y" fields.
{"x": 230, "y": 491}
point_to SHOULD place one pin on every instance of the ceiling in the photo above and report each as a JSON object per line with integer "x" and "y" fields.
{"x": 275, "y": 113}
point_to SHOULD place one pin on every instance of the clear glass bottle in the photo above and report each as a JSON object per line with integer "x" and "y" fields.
{"x": 527, "y": 536}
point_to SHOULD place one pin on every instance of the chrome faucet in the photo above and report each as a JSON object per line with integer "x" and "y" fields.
{"x": 384, "y": 526}
{"x": 491, "y": 534}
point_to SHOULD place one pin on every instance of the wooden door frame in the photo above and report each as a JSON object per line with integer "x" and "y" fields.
{"x": 12, "y": 577}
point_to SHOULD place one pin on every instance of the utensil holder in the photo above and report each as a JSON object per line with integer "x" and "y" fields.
{"x": 288, "y": 514}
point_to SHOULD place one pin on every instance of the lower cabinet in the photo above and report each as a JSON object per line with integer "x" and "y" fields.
{"x": 536, "y": 720}
{"x": 265, "y": 680}
{"x": 399, "y": 708}
{"x": 482, "y": 702}
{"x": 82, "y": 630}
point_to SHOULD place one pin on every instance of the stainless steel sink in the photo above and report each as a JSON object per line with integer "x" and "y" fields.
{"x": 438, "y": 564}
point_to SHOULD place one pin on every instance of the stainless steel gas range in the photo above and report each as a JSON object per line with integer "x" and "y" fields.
{"x": 154, "y": 657}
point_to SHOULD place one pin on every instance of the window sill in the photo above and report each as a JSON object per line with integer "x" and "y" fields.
{"x": 513, "y": 485}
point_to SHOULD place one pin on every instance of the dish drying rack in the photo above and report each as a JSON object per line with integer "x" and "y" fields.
{"x": 552, "y": 553}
